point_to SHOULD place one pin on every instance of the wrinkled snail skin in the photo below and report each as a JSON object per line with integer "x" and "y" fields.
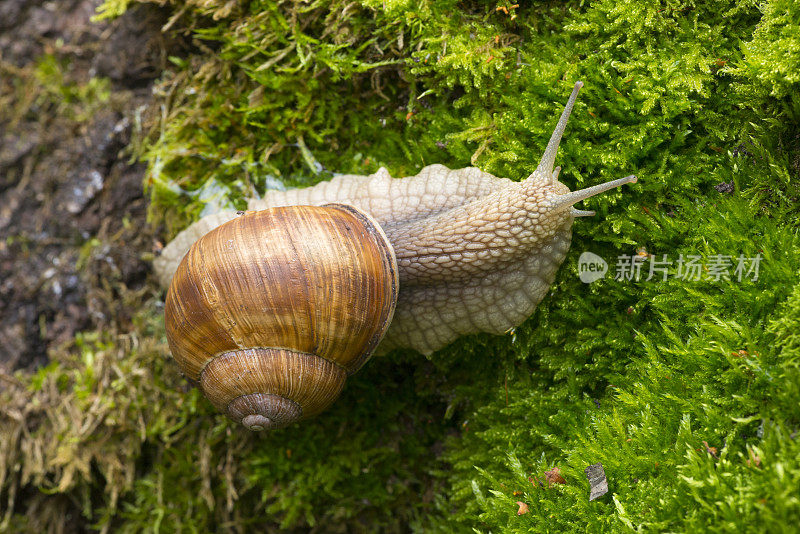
{"x": 475, "y": 253}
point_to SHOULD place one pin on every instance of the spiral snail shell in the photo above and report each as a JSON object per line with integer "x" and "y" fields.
{"x": 271, "y": 311}
{"x": 472, "y": 253}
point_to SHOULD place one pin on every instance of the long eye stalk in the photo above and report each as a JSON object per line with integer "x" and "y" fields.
{"x": 549, "y": 158}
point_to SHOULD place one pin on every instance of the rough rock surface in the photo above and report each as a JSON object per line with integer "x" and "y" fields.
{"x": 72, "y": 210}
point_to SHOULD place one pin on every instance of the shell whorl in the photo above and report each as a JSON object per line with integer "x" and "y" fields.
{"x": 271, "y": 388}
{"x": 271, "y": 311}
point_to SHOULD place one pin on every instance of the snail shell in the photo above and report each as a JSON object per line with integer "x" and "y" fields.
{"x": 271, "y": 311}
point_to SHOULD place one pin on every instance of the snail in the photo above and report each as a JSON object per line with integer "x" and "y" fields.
{"x": 471, "y": 252}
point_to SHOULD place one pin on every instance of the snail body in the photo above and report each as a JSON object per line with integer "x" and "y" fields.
{"x": 474, "y": 253}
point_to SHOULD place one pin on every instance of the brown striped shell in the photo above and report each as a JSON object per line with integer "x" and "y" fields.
{"x": 271, "y": 311}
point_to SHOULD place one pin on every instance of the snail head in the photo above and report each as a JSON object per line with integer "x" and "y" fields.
{"x": 544, "y": 179}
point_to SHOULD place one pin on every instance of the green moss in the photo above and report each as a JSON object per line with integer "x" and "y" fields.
{"x": 51, "y": 76}
{"x": 704, "y": 365}
{"x": 770, "y": 58}
{"x": 47, "y": 89}
{"x": 686, "y": 391}
{"x": 111, "y": 9}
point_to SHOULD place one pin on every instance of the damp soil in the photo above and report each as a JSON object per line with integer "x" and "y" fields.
{"x": 74, "y": 240}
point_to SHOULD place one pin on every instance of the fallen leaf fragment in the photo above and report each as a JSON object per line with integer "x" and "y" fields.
{"x": 523, "y": 508}
{"x": 598, "y": 485}
{"x": 553, "y": 476}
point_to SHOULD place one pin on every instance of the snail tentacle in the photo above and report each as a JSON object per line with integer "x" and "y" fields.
{"x": 549, "y": 157}
{"x": 562, "y": 201}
